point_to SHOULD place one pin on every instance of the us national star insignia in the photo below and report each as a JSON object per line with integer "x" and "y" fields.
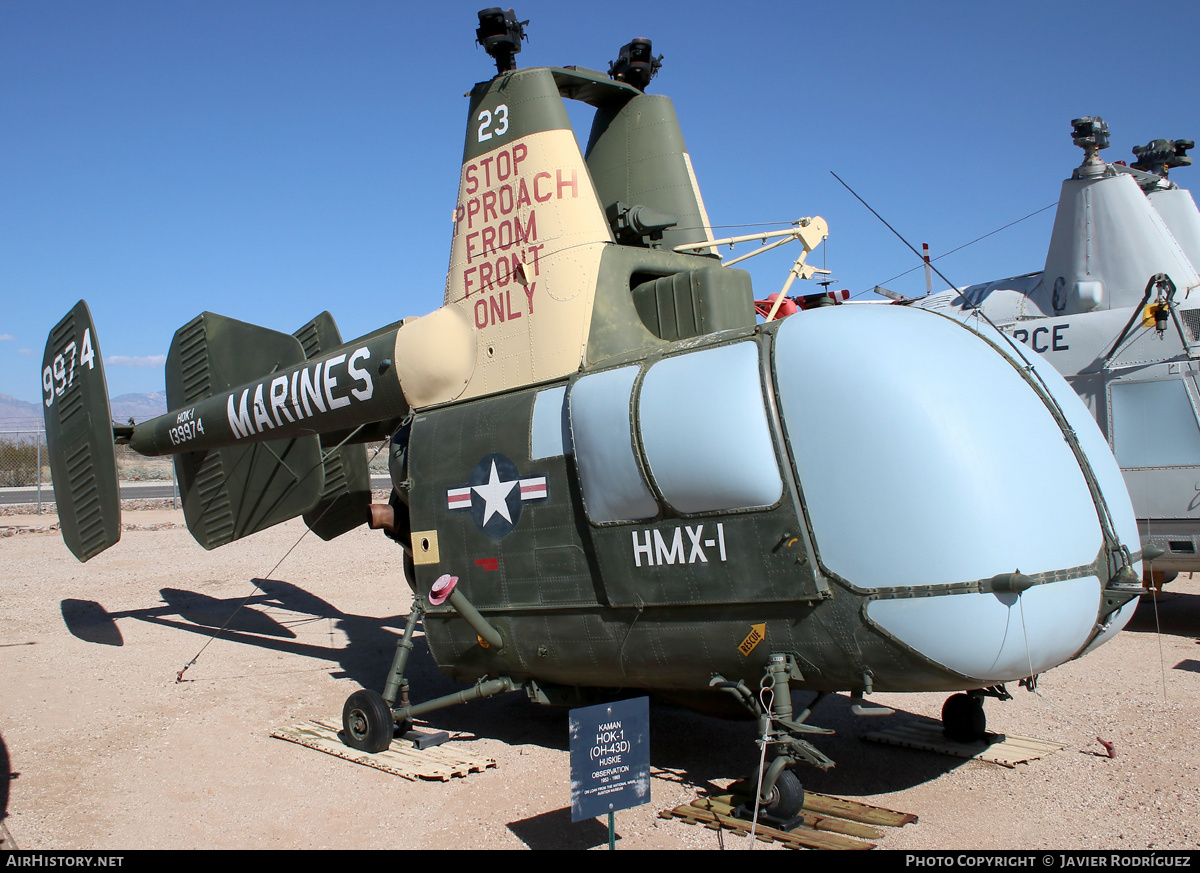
{"x": 495, "y": 494}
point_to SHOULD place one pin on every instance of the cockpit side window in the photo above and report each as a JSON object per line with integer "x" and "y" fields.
{"x": 612, "y": 483}
{"x": 705, "y": 434}
{"x": 549, "y": 429}
{"x": 1154, "y": 424}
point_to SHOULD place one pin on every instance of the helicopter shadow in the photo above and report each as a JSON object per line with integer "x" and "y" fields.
{"x": 685, "y": 746}
{"x": 253, "y": 621}
{"x": 556, "y": 830}
{"x": 868, "y": 768}
{"x": 6, "y": 776}
{"x": 704, "y": 754}
{"x": 862, "y": 768}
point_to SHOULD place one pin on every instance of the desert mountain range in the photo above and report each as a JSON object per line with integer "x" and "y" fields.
{"x": 19, "y": 415}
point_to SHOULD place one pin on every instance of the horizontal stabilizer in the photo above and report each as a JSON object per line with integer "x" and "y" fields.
{"x": 79, "y": 436}
{"x": 345, "y": 502}
{"x": 236, "y": 490}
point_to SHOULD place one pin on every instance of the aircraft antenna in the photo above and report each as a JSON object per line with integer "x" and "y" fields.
{"x": 928, "y": 277}
{"x": 971, "y": 243}
{"x": 892, "y": 229}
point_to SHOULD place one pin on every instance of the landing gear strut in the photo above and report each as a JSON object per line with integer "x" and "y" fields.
{"x": 780, "y": 793}
{"x": 370, "y": 719}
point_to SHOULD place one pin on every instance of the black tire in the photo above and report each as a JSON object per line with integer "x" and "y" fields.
{"x": 787, "y": 797}
{"x": 367, "y": 722}
{"x": 963, "y": 719}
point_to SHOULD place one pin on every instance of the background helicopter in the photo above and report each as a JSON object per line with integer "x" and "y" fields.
{"x": 609, "y": 477}
{"x": 1112, "y": 310}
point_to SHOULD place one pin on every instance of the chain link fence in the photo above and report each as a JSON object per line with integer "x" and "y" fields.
{"x": 22, "y": 455}
{"x": 25, "y": 468}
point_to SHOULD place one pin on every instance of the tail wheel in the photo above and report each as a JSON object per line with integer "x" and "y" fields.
{"x": 367, "y": 722}
{"x": 787, "y": 797}
{"x": 963, "y": 719}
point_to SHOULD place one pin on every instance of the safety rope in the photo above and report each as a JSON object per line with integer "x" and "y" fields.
{"x": 271, "y": 572}
{"x": 1109, "y": 748}
{"x": 766, "y": 696}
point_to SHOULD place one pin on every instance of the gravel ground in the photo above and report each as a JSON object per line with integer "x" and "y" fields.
{"x": 109, "y": 751}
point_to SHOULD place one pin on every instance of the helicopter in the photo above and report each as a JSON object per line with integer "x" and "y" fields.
{"x": 1111, "y": 310}
{"x": 608, "y": 477}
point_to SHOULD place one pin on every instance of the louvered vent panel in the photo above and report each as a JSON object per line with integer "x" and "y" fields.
{"x": 193, "y": 361}
{"x": 81, "y": 477}
{"x": 310, "y": 340}
{"x": 214, "y": 498}
{"x": 70, "y": 402}
{"x": 335, "y": 475}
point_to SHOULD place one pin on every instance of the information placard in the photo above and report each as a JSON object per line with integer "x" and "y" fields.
{"x": 610, "y": 757}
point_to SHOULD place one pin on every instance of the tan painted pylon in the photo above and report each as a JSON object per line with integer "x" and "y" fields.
{"x": 525, "y": 257}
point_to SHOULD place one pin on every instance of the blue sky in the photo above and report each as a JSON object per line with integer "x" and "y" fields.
{"x": 269, "y": 160}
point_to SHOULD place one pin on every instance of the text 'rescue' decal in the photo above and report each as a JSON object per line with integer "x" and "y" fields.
{"x": 311, "y": 390}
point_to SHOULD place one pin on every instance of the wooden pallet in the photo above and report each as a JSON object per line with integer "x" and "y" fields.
{"x": 1003, "y": 749}
{"x": 829, "y": 822}
{"x": 6, "y": 841}
{"x": 401, "y": 759}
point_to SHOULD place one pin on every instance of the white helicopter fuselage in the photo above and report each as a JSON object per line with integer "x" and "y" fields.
{"x": 1091, "y": 314}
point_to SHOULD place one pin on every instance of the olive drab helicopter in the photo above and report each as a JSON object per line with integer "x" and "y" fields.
{"x": 1112, "y": 311}
{"x": 609, "y": 478}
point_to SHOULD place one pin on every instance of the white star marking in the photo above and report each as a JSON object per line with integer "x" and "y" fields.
{"x": 495, "y": 494}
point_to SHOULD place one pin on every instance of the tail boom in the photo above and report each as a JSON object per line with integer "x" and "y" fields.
{"x": 347, "y": 387}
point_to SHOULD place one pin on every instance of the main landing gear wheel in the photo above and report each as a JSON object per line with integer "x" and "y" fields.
{"x": 787, "y": 797}
{"x": 367, "y": 722}
{"x": 963, "y": 719}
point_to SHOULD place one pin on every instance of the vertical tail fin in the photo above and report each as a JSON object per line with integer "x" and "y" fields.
{"x": 79, "y": 436}
{"x": 528, "y": 233}
{"x": 637, "y": 156}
